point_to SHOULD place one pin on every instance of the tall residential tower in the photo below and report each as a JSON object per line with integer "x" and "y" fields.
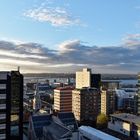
{"x": 138, "y": 96}
{"x": 11, "y": 105}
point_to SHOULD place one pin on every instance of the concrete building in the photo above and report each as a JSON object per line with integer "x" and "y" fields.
{"x": 63, "y": 99}
{"x": 86, "y": 79}
{"x": 83, "y": 78}
{"x": 11, "y": 105}
{"x": 127, "y": 124}
{"x": 96, "y": 80}
{"x": 126, "y": 101}
{"x": 138, "y": 95}
{"x": 90, "y": 133}
{"x": 86, "y": 104}
{"x": 110, "y": 84}
{"x": 108, "y": 102}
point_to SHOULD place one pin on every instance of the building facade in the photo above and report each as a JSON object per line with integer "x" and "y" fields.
{"x": 83, "y": 78}
{"x": 96, "y": 80}
{"x": 108, "y": 102}
{"x": 63, "y": 99}
{"x": 86, "y": 79}
{"x": 11, "y": 105}
{"x": 138, "y": 95}
{"x": 127, "y": 124}
{"x": 86, "y": 104}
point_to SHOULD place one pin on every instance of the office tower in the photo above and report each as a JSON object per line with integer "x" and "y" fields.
{"x": 86, "y": 104}
{"x": 11, "y": 105}
{"x": 108, "y": 101}
{"x": 63, "y": 99}
{"x": 138, "y": 95}
{"x": 83, "y": 78}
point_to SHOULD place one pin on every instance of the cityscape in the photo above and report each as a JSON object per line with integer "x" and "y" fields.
{"x": 68, "y": 108}
{"x": 70, "y": 70}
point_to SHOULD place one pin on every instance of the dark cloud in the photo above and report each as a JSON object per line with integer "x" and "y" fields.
{"x": 72, "y": 55}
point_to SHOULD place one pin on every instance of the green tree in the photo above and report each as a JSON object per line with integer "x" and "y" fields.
{"x": 102, "y": 121}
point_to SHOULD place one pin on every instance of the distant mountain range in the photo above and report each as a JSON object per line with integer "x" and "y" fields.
{"x": 71, "y": 75}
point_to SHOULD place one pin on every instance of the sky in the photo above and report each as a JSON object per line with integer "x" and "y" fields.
{"x": 68, "y": 35}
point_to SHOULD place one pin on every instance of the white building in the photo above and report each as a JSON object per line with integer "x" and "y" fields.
{"x": 127, "y": 124}
{"x": 83, "y": 78}
{"x": 37, "y": 101}
{"x": 89, "y": 133}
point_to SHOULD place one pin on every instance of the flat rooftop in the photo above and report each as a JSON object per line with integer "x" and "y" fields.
{"x": 127, "y": 117}
{"x": 91, "y": 133}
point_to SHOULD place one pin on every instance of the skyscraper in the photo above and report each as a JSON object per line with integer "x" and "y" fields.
{"x": 138, "y": 96}
{"x": 11, "y": 105}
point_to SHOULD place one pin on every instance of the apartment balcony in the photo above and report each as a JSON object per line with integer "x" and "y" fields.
{"x": 2, "y": 96}
{"x": 2, "y": 116}
{"x": 2, "y": 126}
{"x": 2, "y": 136}
{"x": 2, "y": 106}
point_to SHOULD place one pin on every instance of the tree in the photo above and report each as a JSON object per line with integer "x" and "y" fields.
{"x": 102, "y": 121}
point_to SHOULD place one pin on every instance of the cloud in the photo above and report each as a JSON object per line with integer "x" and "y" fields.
{"x": 56, "y": 16}
{"x": 72, "y": 55}
{"x": 132, "y": 40}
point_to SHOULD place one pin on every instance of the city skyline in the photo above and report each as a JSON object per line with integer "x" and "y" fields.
{"x": 67, "y": 35}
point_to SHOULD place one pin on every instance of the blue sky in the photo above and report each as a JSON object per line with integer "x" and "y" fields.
{"x": 62, "y": 27}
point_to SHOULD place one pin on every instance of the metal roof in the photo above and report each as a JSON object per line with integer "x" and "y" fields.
{"x": 68, "y": 119}
{"x": 39, "y": 122}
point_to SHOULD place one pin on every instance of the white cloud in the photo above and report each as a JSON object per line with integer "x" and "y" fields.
{"x": 56, "y": 16}
{"x": 72, "y": 55}
{"x": 132, "y": 40}
{"x": 68, "y": 45}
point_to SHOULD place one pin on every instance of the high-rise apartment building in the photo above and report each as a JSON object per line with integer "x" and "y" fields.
{"x": 83, "y": 78}
{"x": 86, "y": 79}
{"x": 11, "y": 105}
{"x": 63, "y": 99}
{"x": 138, "y": 95}
{"x": 108, "y": 101}
{"x": 96, "y": 80}
{"x": 86, "y": 103}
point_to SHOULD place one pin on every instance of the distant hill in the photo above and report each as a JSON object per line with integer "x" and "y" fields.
{"x": 71, "y": 75}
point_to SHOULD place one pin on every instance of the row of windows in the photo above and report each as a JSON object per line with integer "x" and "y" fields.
{"x": 2, "y": 121}
{"x": 2, "y": 131}
{"x": 2, "y": 91}
{"x": 2, "y": 101}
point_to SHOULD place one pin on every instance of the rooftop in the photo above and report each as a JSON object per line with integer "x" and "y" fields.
{"x": 39, "y": 121}
{"x": 57, "y": 130}
{"x": 68, "y": 119}
{"x": 111, "y": 81}
{"x": 92, "y": 133}
{"x": 127, "y": 117}
{"x": 65, "y": 88}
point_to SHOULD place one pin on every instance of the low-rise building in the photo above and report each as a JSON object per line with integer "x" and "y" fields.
{"x": 49, "y": 127}
{"x": 90, "y": 133}
{"x": 127, "y": 124}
